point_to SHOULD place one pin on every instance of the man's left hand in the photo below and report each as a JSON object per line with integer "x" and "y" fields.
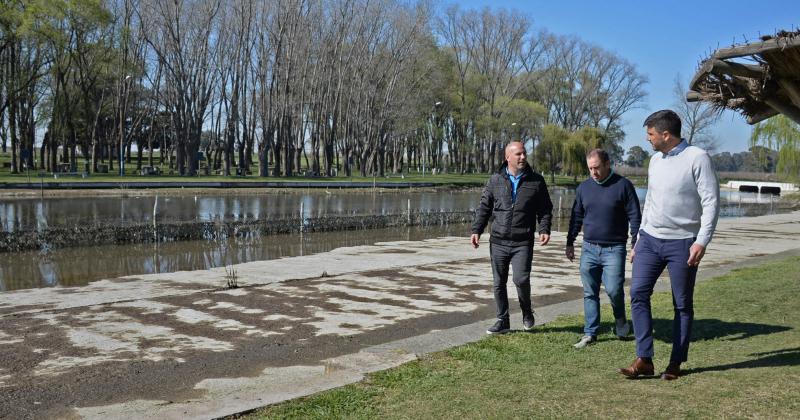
{"x": 544, "y": 238}
{"x": 696, "y": 253}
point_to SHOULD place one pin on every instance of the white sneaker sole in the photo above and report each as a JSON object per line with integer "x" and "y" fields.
{"x": 582, "y": 345}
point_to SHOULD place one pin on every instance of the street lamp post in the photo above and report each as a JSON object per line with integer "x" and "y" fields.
{"x": 430, "y": 132}
{"x": 123, "y": 104}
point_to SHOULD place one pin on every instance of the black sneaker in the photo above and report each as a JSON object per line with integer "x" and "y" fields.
{"x": 499, "y": 327}
{"x": 528, "y": 321}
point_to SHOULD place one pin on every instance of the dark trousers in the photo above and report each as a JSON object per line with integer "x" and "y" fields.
{"x": 652, "y": 256}
{"x": 519, "y": 258}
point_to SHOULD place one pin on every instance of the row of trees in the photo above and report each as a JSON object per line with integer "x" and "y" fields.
{"x": 774, "y": 144}
{"x": 339, "y": 85}
{"x": 757, "y": 159}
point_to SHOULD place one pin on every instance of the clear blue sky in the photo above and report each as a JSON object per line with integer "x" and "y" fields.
{"x": 663, "y": 39}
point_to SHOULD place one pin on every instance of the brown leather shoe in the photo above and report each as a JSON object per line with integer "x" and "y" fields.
{"x": 672, "y": 372}
{"x": 639, "y": 367}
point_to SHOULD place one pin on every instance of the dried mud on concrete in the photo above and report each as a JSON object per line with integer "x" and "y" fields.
{"x": 180, "y": 345}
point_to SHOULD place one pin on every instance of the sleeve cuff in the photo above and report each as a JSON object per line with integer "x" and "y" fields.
{"x": 703, "y": 240}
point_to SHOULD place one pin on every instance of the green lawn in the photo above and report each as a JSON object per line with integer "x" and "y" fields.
{"x": 131, "y": 175}
{"x": 744, "y": 363}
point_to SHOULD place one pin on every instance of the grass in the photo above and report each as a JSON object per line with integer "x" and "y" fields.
{"x": 131, "y": 175}
{"x": 444, "y": 179}
{"x": 744, "y": 362}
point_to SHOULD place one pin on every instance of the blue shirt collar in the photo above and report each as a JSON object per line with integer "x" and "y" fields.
{"x": 514, "y": 183}
{"x": 513, "y": 177}
{"x": 677, "y": 149}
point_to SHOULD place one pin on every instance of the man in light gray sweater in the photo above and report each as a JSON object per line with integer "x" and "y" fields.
{"x": 679, "y": 218}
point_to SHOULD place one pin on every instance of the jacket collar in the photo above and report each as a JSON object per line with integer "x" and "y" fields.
{"x": 502, "y": 171}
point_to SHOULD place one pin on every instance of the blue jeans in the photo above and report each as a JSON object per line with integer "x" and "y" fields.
{"x": 652, "y": 256}
{"x": 606, "y": 264}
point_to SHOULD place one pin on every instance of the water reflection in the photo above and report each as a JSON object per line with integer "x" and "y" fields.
{"x": 16, "y": 214}
{"x": 27, "y": 214}
{"x": 81, "y": 265}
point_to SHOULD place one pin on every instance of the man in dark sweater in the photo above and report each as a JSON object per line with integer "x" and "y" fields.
{"x": 605, "y": 205}
{"x": 516, "y": 198}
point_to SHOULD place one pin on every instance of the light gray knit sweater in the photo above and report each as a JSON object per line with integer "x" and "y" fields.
{"x": 682, "y": 195}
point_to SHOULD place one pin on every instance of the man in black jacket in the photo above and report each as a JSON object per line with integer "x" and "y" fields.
{"x": 517, "y": 198}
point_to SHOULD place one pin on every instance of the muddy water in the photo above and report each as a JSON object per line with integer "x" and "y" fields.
{"x": 24, "y": 214}
{"x": 30, "y": 213}
{"x": 81, "y": 265}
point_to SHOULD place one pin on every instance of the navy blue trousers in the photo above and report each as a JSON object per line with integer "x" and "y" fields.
{"x": 652, "y": 256}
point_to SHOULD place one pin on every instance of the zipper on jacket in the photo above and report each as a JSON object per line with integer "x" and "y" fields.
{"x": 510, "y": 185}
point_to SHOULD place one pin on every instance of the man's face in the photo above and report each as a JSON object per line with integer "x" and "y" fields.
{"x": 598, "y": 169}
{"x": 516, "y": 157}
{"x": 657, "y": 140}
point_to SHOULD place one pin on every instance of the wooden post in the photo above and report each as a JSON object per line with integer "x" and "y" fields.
{"x": 155, "y": 212}
{"x": 560, "y": 197}
{"x": 408, "y": 213}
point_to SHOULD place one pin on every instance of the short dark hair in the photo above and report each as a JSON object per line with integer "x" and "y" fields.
{"x": 665, "y": 120}
{"x": 602, "y": 154}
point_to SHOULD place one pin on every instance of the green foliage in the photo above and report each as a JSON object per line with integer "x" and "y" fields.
{"x": 49, "y": 19}
{"x": 550, "y": 149}
{"x": 636, "y": 157}
{"x": 578, "y": 145}
{"x": 781, "y": 134}
{"x": 521, "y": 117}
{"x": 757, "y": 159}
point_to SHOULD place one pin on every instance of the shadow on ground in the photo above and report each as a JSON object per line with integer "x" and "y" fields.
{"x": 783, "y": 357}
{"x": 714, "y": 329}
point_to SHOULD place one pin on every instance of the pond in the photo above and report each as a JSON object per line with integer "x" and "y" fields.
{"x": 81, "y": 265}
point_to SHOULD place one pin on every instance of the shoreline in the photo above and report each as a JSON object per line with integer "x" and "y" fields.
{"x": 238, "y": 190}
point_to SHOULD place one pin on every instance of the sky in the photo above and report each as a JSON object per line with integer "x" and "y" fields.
{"x": 662, "y": 39}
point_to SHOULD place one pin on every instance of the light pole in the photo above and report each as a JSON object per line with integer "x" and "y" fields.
{"x": 123, "y": 104}
{"x": 430, "y": 134}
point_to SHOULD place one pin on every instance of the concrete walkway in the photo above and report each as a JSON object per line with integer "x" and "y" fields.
{"x": 181, "y": 345}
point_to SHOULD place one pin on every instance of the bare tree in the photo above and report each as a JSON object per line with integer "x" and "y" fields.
{"x": 699, "y": 118}
{"x": 184, "y": 34}
{"x": 309, "y": 86}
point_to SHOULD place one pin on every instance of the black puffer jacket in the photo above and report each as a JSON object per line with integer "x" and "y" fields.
{"x": 514, "y": 222}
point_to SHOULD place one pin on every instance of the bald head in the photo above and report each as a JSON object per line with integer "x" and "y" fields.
{"x": 514, "y": 145}
{"x": 516, "y": 157}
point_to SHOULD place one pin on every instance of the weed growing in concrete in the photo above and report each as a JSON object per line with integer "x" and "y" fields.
{"x": 231, "y": 278}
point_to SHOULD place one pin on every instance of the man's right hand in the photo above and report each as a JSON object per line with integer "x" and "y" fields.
{"x": 475, "y": 239}
{"x": 569, "y": 251}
